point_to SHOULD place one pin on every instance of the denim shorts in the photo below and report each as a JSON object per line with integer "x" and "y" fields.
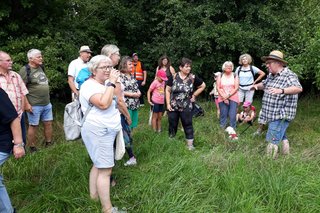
{"x": 43, "y": 113}
{"x": 277, "y": 131}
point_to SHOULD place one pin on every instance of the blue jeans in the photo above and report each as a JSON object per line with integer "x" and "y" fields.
{"x": 228, "y": 110}
{"x": 277, "y": 131}
{"x": 5, "y": 203}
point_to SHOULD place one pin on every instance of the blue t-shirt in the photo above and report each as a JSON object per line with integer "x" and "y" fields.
{"x": 245, "y": 75}
{"x": 83, "y": 75}
{"x": 7, "y": 114}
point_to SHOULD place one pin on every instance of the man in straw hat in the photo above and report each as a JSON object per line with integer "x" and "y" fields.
{"x": 279, "y": 102}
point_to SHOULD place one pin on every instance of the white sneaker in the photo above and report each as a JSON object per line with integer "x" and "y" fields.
{"x": 131, "y": 162}
{"x": 191, "y": 147}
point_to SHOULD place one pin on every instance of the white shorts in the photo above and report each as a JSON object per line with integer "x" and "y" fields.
{"x": 245, "y": 95}
{"x": 99, "y": 143}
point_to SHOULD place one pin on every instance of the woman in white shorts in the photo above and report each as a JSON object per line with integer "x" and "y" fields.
{"x": 101, "y": 126}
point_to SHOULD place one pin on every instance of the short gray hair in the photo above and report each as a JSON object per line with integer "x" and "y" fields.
{"x": 226, "y": 64}
{"x": 31, "y": 53}
{"x": 96, "y": 60}
{"x": 109, "y": 49}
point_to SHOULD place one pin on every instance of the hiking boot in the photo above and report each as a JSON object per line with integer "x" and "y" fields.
{"x": 285, "y": 147}
{"x": 131, "y": 162}
{"x": 272, "y": 151}
{"x": 33, "y": 149}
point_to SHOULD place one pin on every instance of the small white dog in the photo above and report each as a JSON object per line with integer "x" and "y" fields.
{"x": 232, "y": 133}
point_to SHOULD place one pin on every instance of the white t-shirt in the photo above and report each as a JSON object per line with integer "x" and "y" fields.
{"x": 74, "y": 68}
{"x": 108, "y": 118}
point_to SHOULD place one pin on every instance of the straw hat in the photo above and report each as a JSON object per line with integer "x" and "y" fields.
{"x": 275, "y": 55}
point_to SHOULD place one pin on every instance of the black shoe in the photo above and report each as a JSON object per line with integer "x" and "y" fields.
{"x": 33, "y": 149}
{"x": 47, "y": 144}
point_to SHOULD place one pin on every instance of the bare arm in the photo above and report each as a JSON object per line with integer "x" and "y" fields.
{"x": 15, "y": 126}
{"x": 261, "y": 75}
{"x": 27, "y": 105}
{"x": 198, "y": 91}
{"x": 104, "y": 100}
{"x": 168, "y": 94}
{"x": 144, "y": 78}
{"x": 173, "y": 72}
{"x": 71, "y": 85}
{"x": 149, "y": 96}
{"x": 121, "y": 104}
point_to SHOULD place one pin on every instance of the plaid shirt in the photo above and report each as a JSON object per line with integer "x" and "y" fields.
{"x": 279, "y": 106}
{"x": 14, "y": 86}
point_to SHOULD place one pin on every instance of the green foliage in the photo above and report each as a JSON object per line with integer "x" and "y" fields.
{"x": 208, "y": 32}
{"x": 219, "y": 176}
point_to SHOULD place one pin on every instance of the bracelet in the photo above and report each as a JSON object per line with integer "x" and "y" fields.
{"x": 282, "y": 92}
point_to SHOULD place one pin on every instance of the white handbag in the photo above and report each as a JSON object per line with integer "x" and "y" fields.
{"x": 120, "y": 146}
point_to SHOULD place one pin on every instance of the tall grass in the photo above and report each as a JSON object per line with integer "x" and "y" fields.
{"x": 219, "y": 176}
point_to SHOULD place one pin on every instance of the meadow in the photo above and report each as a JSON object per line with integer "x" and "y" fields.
{"x": 218, "y": 176}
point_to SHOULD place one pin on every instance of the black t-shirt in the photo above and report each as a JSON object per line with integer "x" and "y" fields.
{"x": 7, "y": 114}
{"x": 197, "y": 81}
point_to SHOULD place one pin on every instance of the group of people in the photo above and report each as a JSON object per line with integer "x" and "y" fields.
{"x": 111, "y": 99}
{"x": 279, "y": 103}
{"x": 26, "y": 92}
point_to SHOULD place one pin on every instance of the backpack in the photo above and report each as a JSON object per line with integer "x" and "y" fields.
{"x": 250, "y": 70}
{"x": 73, "y": 120}
{"x": 28, "y": 70}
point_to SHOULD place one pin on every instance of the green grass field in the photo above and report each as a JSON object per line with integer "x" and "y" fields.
{"x": 219, "y": 176}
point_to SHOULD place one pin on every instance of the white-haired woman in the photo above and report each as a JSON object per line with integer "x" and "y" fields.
{"x": 246, "y": 73}
{"x": 101, "y": 126}
{"x": 228, "y": 85}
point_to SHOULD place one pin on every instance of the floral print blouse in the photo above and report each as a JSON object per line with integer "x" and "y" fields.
{"x": 130, "y": 85}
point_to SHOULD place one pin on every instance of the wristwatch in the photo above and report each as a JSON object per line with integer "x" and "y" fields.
{"x": 111, "y": 84}
{"x": 282, "y": 91}
{"x": 18, "y": 144}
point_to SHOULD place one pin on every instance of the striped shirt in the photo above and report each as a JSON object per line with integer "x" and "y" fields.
{"x": 279, "y": 106}
{"x": 14, "y": 86}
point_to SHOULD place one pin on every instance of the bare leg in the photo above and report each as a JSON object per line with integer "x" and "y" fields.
{"x": 154, "y": 121}
{"x": 159, "y": 121}
{"x": 32, "y": 131}
{"x": 93, "y": 183}
{"x": 103, "y": 185}
{"x": 48, "y": 130}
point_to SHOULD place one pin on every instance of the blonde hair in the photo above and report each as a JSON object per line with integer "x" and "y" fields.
{"x": 246, "y": 55}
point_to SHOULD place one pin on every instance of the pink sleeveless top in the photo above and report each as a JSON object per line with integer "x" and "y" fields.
{"x": 228, "y": 84}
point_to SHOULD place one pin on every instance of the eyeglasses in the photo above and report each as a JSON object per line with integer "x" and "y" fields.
{"x": 268, "y": 62}
{"x": 106, "y": 68}
{"x": 8, "y": 60}
{"x": 118, "y": 54}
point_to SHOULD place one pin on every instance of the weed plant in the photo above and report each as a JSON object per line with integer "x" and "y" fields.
{"x": 218, "y": 176}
